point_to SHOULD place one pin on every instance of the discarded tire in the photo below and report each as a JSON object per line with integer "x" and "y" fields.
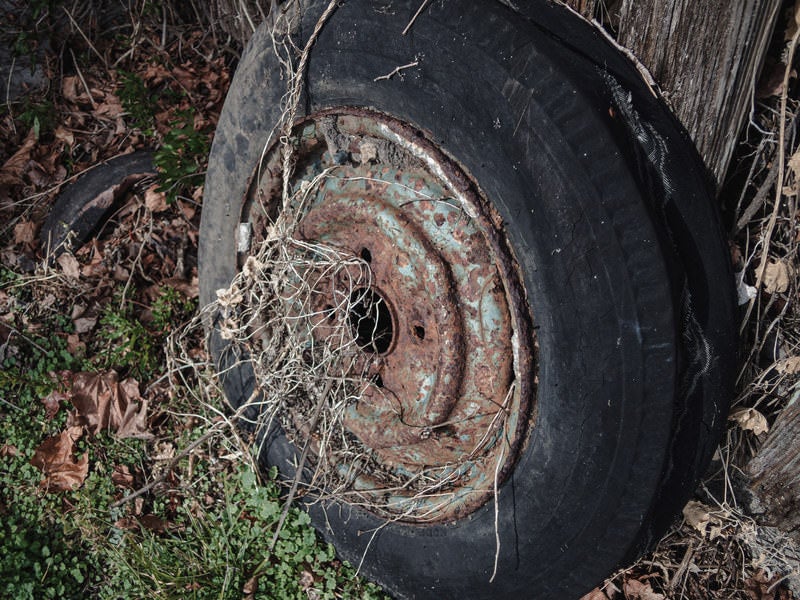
{"x": 81, "y": 206}
{"x": 516, "y": 161}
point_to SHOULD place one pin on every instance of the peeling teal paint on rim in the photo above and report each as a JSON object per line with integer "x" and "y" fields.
{"x": 448, "y": 401}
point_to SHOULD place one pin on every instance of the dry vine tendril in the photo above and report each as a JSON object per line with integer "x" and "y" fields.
{"x": 313, "y": 360}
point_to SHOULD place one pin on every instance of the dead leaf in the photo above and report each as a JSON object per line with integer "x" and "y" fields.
{"x": 65, "y": 135}
{"x": 84, "y": 324}
{"x": 110, "y": 107}
{"x": 74, "y": 344}
{"x": 794, "y": 163}
{"x": 11, "y": 172}
{"x": 70, "y": 265}
{"x": 96, "y": 266}
{"x": 697, "y": 515}
{"x": 52, "y": 403}
{"x": 761, "y": 587}
{"x": 306, "y": 580}
{"x": 777, "y": 277}
{"x": 155, "y": 200}
{"x": 190, "y": 289}
{"x": 749, "y": 419}
{"x": 103, "y": 402}
{"x": 250, "y": 588}
{"x": 69, "y": 89}
{"x": 127, "y": 524}
{"x": 24, "y": 232}
{"x": 771, "y": 81}
{"x": 187, "y": 209}
{"x": 153, "y": 523}
{"x": 164, "y": 451}
{"x": 637, "y": 590}
{"x": 122, "y": 476}
{"x": 595, "y": 594}
{"x": 788, "y": 366}
{"x": 54, "y": 458}
{"x": 8, "y": 450}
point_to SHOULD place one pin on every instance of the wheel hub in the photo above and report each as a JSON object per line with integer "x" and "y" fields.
{"x": 441, "y": 326}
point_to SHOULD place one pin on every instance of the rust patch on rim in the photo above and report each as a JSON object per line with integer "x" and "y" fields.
{"x": 443, "y": 325}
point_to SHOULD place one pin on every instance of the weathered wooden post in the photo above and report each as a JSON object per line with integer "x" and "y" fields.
{"x": 705, "y": 57}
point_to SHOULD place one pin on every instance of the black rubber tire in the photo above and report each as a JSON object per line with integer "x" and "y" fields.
{"x": 607, "y": 209}
{"x": 82, "y": 205}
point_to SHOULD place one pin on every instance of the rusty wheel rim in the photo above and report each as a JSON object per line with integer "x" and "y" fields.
{"x": 443, "y": 325}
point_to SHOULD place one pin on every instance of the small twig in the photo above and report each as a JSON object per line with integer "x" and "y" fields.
{"x": 762, "y": 267}
{"x": 8, "y": 89}
{"x": 164, "y": 27}
{"x": 86, "y": 39}
{"x": 416, "y": 15}
{"x": 297, "y": 88}
{"x": 497, "y": 513}
{"x": 758, "y": 200}
{"x": 83, "y": 81}
{"x": 170, "y": 465}
{"x": 396, "y": 70}
{"x": 136, "y": 261}
{"x": 299, "y": 472}
{"x": 186, "y": 451}
{"x": 243, "y": 8}
{"x": 25, "y": 337}
{"x": 14, "y": 406}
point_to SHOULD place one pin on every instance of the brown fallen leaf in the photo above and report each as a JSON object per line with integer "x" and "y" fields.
{"x": 250, "y": 588}
{"x": 127, "y": 524}
{"x": 761, "y": 587}
{"x": 70, "y": 265}
{"x": 749, "y": 419}
{"x": 122, "y": 476}
{"x": 595, "y": 594}
{"x": 306, "y": 580}
{"x": 697, "y": 515}
{"x": 101, "y": 401}
{"x": 84, "y": 324}
{"x": 189, "y": 288}
{"x": 52, "y": 403}
{"x": 8, "y": 450}
{"x": 65, "y": 135}
{"x": 54, "y": 458}
{"x": 153, "y": 523}
{"x": 74, "y": 344}
{"x": 777, "y": 277}
{"x": 12, "y": 170}
{"x": 111, "y": 106}
{"x": 788, "y": 366}
{"x": 637, "y": 590}
{"x": 24, "y": 232}
{"x": 187, "y": 209}
{"x": 72, "y": 90}
{"x": 155, "y": 200}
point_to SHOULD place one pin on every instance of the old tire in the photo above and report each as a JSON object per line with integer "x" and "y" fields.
{"x": 604, "y": 205}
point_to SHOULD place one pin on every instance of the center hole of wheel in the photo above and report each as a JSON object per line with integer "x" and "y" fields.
{"x": 370, "y": 321}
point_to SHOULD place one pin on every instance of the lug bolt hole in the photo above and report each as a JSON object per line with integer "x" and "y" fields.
{"x": 370, "y": 321}
{"x": 377, "y": 381}
{"x": 419, "y": 332}
{"x": 365, "y": 255}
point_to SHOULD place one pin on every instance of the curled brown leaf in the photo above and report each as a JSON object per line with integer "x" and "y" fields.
{"x": 102, "y": 402}
{"x": 54, "y": 457}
